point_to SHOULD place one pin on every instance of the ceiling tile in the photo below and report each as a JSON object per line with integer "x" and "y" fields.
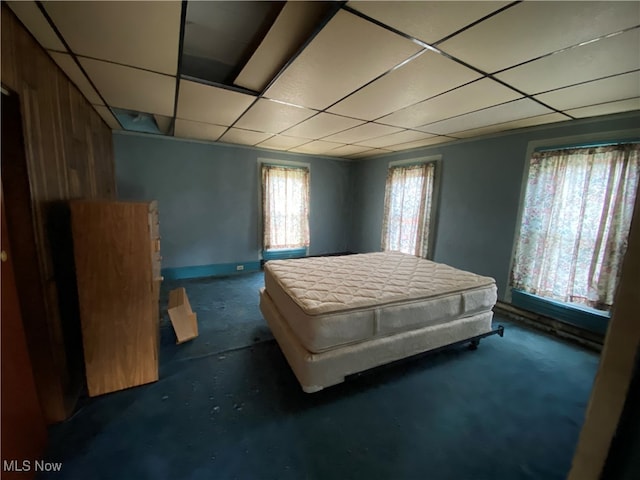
{"x": 244, "y": 137}
{"x": 32, "y": 18}
{"x": 531, "y": 29}
{"x": 107, "y": 116}
{"x": 501, "y": 127}
{"x": 362, "y": 132}
{"x": 480, "y": 94}
{"x": 70, "y": 67}
{"x": 197, "y": 130}
{"x": 498, "y": 114}
{"x": 369, "y": 153}
{"x": 283, "y": 142}
{"x": 141, "y": 34}
{"x": 427, "y": 21}
{"x": 163, "y": 122}
{"x": 205, "y": 103}
{"x": 130, "y": 88}
{"x": 289, "y": 31}
{"x": 347, "y": 53}
{"x": 425, "y": 76}
{"x": 269, "y": 116}
{"x": 618, "y": 54}
{"x": 347, "y": 150}
{"x": 322, "y": 125}
{"x": 606, "y": 108}
{"x": 420, "y": 143}
{"x": 395, "y": 139}
{"x": 609, "y": 89}
{"x": 318, "y": 147}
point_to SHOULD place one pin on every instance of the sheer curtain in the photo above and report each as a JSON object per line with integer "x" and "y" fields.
{"x": 575, "y": 223}
{"x": 285, "y": 203}
{"x": 407, "y": 209}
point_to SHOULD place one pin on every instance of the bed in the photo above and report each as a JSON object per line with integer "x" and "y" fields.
{"x": 336, "y": 316}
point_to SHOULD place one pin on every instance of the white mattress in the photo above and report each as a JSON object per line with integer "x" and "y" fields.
{"x": 335, "y": 301}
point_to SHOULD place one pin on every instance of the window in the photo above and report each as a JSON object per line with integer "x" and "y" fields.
{"x": 285, "y": 204}
{"x": 575, "y": 223}
{"x": 407, "y": 209}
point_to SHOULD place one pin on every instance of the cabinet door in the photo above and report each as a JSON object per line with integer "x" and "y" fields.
{"x": 115, "y": 291}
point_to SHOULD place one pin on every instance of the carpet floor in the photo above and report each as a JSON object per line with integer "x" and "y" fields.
{"x": 227, "y": 406}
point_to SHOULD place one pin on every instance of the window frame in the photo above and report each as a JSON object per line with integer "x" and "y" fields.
{"x": 572, "y": 141}
{"x": 435, "y": 196}
{"x": 278, "y": 163}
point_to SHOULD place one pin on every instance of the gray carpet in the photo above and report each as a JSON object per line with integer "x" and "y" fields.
{"x": 510, "y": 410}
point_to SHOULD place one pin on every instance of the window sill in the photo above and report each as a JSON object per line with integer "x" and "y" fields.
{"x": 583, "y": 317}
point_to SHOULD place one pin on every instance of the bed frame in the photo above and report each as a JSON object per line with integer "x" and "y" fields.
{"x": 316, "y": 371}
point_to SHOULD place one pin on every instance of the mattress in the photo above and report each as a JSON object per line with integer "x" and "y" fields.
{"x": 329, "y": 302}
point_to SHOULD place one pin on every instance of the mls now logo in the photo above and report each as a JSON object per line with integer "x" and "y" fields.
{"x": 27, "y": 466}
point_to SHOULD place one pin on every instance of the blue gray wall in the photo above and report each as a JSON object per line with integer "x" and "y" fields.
{"x": 209, "y": 206}
{"x": 479, "y": 195}
{"x": 208, "y": 197}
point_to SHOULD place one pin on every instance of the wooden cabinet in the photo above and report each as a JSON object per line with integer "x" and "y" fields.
{"x": 117, "y": 256}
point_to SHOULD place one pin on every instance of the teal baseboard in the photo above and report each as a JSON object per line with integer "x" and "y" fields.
{"x": 284, "y": 254}
{"x": 213, "y": 270}
{"x": 583, "y": 317}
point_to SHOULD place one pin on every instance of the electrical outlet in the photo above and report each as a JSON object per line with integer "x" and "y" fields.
{"x": 239, "y": 267}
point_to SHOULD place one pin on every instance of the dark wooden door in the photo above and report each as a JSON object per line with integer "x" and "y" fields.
{"x": 23, "y": 426}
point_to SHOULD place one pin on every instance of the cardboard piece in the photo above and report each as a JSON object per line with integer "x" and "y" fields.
{"x": 183, "y": 319}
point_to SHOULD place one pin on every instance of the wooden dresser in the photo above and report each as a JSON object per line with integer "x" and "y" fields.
{"x": 117, "y": 259}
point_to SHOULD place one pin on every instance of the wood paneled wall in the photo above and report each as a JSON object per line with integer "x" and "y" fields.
{"x": 69, "y": 154}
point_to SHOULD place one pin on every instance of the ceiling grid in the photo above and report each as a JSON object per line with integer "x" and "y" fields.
{"x": 364, "y": 78}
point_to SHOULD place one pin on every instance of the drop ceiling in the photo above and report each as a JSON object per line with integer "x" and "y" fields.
{"x": 344, "y": 79}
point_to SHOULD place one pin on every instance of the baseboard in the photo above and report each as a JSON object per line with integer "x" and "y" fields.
{"x": 213, "y": 270}
{"x": 567, "y": 331}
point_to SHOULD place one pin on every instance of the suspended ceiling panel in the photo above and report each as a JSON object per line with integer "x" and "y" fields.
{"x": 369, "y": 153}
{"x": 322, "y": 125}
{"x": 291, "y": 29}
{"x": 32, "y": 18}
{"x": 610, "y": 89}
{"x": 420, "y": 143}
{"x": 346, "y": 54}
{"x": 609, "y": 56}
{"x": 130, "y": 88}
{"x": 525, "y": 122}
{"x": 362, "y": 132}
{"x": 515, "y": 110}
{"x": 283, "y": 142}
{"x": 108, "y": 117}
{"x": 531, "y": 29}
{"x": 395, "y": 139}
{"x": 164, "y": 123}
{"x": 317, "y": 147}
{"x": 70, "y": 67}
{"x": 606, "y": 108}
{"x": 208, "y": 104}
{"x": 244, "y": 137}
{"x": 474, "y": 96}
{"x": 427, "y": 21}
{"x": 425, "y": 76}
{"x": 274, "y": 117}
{"x": 141, "y": 34}
{"x": 346, "y": 150}
{"x": 198, "y": 130}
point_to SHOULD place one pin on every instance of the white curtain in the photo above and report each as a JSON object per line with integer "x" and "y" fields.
{"x": 407, "y": 209}
{"x": 575, "y": 223}
{"x": 285, "y": 201}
